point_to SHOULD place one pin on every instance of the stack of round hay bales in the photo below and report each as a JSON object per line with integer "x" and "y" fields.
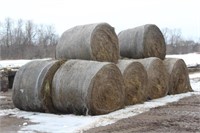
{"x": 89, "y": 42}
{"x": 179, "y": 79}
{"x": 145, "y": 41}
{"x": 142, "y": 42}
{"x": 157, "y": 77}
{"x": 79, "y": 86}
{"x": 88, "y": 87}
{"x": 98, "y": 87}
{"x": 135, "y": 79}
{"x": 32, "y": 86}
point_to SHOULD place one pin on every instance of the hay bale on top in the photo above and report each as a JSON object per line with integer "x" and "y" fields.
{"x": 90, "y": 42}
{"x": 88, "y": 87}
{"x": 135, "y": 79}
{"x": 179, "y": 78}
{"x": 142, "y": 42}
{"x": 32, "y": 86}
{"x": 157, "y": 77}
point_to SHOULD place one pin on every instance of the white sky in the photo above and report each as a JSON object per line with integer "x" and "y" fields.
{"x": 121, "y": 14}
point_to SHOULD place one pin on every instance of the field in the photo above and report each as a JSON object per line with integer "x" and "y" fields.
{"x": 173, "y": 113}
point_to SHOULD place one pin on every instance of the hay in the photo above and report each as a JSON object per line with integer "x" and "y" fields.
{"x": 157, "y": 77}
{"x": 88, "y": 87}
{"x": 90, "y": 42}
{"x": 32, "y": 86}
{"x": 142, "y": 42}
{"x": 135, "y": 79}
{"x": 179, "y": 79}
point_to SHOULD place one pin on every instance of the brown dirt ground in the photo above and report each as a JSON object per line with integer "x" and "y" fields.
{"x": 9, "y": 123}
{"x": 181, "y": 116}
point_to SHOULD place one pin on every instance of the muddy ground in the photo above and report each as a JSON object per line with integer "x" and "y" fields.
{"x": 10, "y": 124}
{"x": 181, "y": 116}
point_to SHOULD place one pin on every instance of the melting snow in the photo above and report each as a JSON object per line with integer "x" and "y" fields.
{"x": 15, "y": 63}
{"x": 192, "y": 59}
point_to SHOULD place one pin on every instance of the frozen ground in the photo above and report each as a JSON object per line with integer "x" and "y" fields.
{"x": 51, "y": 123}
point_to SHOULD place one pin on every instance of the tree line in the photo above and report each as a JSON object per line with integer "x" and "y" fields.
{"x": 176, "y": 44}
{"x": 26, "y": 40}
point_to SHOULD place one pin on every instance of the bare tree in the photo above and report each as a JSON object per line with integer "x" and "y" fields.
{"x": 166, "y": 34}
{"x": 18, "y": 33}
{"x": 26, "y": 40}
{"x": 30, "y": 32}
{"x": 6, "y": 33}
{"x": 175, "y": 37}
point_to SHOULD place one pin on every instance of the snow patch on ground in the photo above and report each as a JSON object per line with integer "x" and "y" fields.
{"x": 2, "y": 97}
{"x": 15, "y": 63}
{"x": 12, "y": 63}
{"x": 194, "y": 75}
{"x": 192, "y": 59}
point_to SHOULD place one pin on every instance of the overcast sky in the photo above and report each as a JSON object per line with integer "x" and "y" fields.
{"x": 121, "y": 14}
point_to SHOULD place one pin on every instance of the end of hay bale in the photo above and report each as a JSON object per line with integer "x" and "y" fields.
{"x": 107, "y": 94}
{"x": 104, "y": 43}
{"x": 135, "y": 79}
{"x": 179, "y": 77}
{"x": 157, "y": 77}
{"x": 154, "y": 42}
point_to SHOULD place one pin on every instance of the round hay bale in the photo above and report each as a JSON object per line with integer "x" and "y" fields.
{"x": 32, "y": 86}
{"x": 142, "y": 42}
{"x": 157, "y": 77}
{"x": 178, "y": 76}
{"x": 88, "y": 87}
{"x": 89, "y": 42}
{"x": 135, "y": 79}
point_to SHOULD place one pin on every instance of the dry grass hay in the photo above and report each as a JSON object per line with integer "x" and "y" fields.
{"x": 179, "y": 79}
{"x": 88, "y": 87}
{"x": 89, "y": 42}
{"x": 142, "y": 42}
{"x": 157, "y": 77}
{"x": 32, "y": 86}
{"x": 135, "y": 79}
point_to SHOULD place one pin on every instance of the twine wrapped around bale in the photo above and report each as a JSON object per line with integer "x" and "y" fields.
{"x": 88, "y": 87}
{"x": 89, "y": 42}
{"x": 157, "y": 77}
{"x": 135, "y": 79}
{"x": 142, "y": 42}
{"x": 32, "y": 86}
{"x": 179, "y": 78}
